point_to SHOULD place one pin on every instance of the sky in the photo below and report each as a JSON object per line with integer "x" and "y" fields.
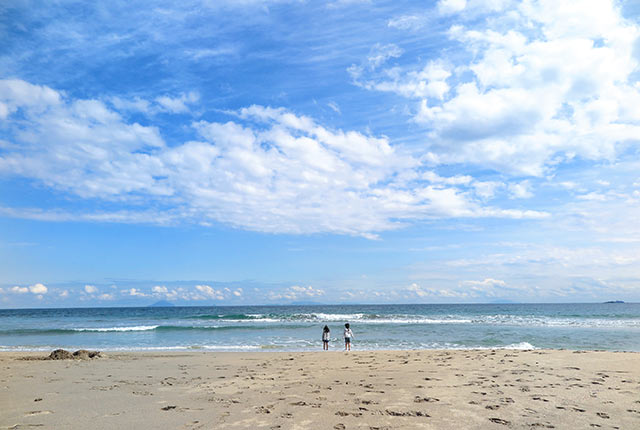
{"x": 233, "y": 152}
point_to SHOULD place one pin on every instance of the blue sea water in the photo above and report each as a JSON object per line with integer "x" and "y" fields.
{"x": 614, "y": 326}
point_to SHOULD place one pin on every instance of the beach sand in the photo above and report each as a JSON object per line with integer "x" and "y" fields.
{"x": 478, "y": 389}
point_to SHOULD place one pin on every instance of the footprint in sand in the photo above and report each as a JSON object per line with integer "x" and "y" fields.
{"x": 32, "y": 413}
{"x": 499, "y": 421}
{"x": 419, "y": 399}
{"x": 20, "y": 426}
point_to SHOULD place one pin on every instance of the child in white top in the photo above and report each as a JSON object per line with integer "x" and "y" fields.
{"x": 348, "y": 334}
{"x": 326, "y": 336}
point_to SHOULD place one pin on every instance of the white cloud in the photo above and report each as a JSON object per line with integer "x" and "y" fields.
{"x": 106, "y": 296}
{"x": 521, "y": 190}
{"x": 380, "y": 54}
{"x": 270, "y": 170}
{"x": 429, "y": 82}
{"x": 419, "y": 291}
{"x": 407, "y": 22}
{"x": 178, "y": 104}
{"x": 211, "y": 292}
{"x": 487, "y": 283}
{"x": 19, "y": 290}
{"x": 15, "y": 93}
{"x": 132, "y": 292}
{"x": 308, "y": 291}
{"x": 38, "y": 289}
{"x": 296, "y": 292}
{"x": 593, "y": 196}
{"x": 136, "y": 104}
{"x": 542, "y": 83}
{"x": 334, "y": 107}
{"x": 90, "y": 289}
{"x": 89, "y": 151}
{"x": 158, "y": 289}
{"x": 221, "y": 51}
{"x": 486, "y": 189}
{"x": 415, "y": 290}
{"x": 451, "y": 6}
{"x": 63, "y": 294}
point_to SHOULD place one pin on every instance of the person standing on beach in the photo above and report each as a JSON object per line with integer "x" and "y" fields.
{"x": 348, "y": 334}
{"x": 326, "y": 336}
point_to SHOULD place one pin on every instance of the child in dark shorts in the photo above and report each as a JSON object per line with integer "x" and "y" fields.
{"x": 348, "y": 334}
{"x": 326, "y": 336}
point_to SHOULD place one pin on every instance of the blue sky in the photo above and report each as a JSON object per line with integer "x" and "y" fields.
{"x": 345, "y": 151}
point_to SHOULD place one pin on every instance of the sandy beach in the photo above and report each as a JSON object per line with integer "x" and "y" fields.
{"x": 477, "y": 389}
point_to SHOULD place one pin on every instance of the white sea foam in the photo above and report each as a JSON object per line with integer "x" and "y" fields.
{"x": 361, "y": 318}
{"x": 228, "y": 347}
{"x": 336, "y": 317}
{"x": 255, "y": 320}
{"x": 536, "y": 321}
{"x": 114, "y": 329}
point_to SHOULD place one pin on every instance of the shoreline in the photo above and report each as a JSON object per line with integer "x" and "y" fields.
{"x": 268, "y": 349}
{"x": 438, "y": 389}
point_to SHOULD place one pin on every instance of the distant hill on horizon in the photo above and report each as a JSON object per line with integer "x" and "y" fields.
{"x": 161, "y": 304}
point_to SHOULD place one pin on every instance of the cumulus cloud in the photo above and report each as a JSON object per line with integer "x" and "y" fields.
{"x": 38, "y": 289}
{"x": 416, "y": 290}
{"x": 485, "y": 283}
{"x": 541, "y": 84}
{"x": 160, "y": 289}
{"x": 521, "y": 190}
{"x": 451, "y": 6}
{"x": 211, "y": 292}
{"x": 90, "y": 289}
{"x": 266, "y": 170}
{"x": 134, "y": 292}
{"x": 296, "y": 292}
{"x": 308, "y": 291}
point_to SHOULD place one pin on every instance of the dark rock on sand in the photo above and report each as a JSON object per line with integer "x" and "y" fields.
{"x": 60, "y": 354}
{"x": 83, "y": 354}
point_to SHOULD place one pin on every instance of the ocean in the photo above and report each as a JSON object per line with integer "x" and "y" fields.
{"x": 612, "y": 326}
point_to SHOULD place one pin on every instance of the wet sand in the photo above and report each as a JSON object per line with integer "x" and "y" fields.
{"x": 502, "y": 389}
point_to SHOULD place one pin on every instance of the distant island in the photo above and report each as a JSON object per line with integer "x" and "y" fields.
{"x": 614, "y": 301}
{"x": 161, "y": 304}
